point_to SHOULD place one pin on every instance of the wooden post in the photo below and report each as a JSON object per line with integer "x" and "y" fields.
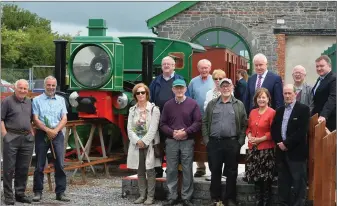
{"x": 329, "y": 169}
{"x": 311, "y": 143}
{"x": 319, "y": 134}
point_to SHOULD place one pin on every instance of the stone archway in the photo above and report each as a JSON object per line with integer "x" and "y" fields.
{"x": 226, "y": 23}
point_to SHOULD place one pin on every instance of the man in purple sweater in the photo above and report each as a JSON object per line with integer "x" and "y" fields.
{"x": 180, "y": 120}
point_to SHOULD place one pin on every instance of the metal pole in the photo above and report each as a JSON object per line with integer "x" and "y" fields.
{"x": 147, "y": 61}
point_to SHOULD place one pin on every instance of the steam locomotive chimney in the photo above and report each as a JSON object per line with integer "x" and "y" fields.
{"x": 60, "y": 64}
{"x": 147, "y": 61}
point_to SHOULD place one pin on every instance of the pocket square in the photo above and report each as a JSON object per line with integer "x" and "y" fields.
{"x": 295, "y": 118}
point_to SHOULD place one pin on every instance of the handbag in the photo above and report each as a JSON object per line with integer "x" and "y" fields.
{"x": 157, "y": 148}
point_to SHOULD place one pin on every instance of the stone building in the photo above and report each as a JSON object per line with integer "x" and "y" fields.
{"x": 287, "y": 32}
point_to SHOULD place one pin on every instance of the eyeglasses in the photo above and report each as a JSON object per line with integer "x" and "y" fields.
{"x": 142, "y": 92}
{"x": 216, "y": 79}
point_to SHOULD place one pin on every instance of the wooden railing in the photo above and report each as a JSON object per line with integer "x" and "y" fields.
{"x": 322, "y": 164}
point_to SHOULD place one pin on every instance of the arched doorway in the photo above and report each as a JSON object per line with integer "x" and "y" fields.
{"x": 224, "y": 38}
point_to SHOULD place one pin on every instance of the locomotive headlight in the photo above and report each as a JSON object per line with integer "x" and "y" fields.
{"x": 73, "y": 99}
{"x": 122, "y": 101}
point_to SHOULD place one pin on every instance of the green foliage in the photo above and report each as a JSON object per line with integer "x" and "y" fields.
{"x": 27, "y": 39}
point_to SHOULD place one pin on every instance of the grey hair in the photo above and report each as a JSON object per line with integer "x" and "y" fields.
{"x": 49, "y": 77}
{"x": 169, "y": 58}
{"x": 20, "y": 80}
{"x": 300, "y": 67}
{"x": 290, "y": 86}
{"x": 262, "y": 56}
{"x": 206, "y": 61}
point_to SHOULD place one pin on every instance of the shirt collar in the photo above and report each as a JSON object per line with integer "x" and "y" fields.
{"x": 178, "y": 101}
{"x": 264, "y": 74}
{"x": 322, "y": 77}
{"x": 16, "y": 99}
{"x": 172, "y": 75}
{"x": 47, "y": 97}
{"x": 230, "y": 99}
{"x": 291, "y": 105}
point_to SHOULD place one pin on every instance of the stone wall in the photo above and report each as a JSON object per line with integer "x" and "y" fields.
{"x": 254, "y": 21}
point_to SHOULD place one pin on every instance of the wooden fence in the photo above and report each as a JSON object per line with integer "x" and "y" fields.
{"x": 322, "y": 164}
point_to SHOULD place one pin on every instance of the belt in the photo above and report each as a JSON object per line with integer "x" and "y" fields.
{"x": 224, "y": 138}
{"x": 18, "y": 131}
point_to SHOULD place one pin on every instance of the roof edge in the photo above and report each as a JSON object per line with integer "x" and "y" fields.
{"x": 168, "y": 13}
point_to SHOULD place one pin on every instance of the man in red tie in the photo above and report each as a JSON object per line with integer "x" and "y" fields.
{"x": 263, "y": 78}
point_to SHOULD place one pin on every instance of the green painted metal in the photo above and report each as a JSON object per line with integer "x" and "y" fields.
{"x": 112, "y": 46}
{"x": 162, "y": 47}
{"x": 218, "y": 44}
{"x": 331, "y": 52}
{"x": 168, "y": 13}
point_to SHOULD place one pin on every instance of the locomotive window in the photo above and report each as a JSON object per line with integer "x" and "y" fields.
{"x": 178, "y": 58}
{"x": 92, "y": 66}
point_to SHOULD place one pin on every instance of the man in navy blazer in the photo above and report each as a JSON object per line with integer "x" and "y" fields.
{"x": 266, "y": 79}
{"x": 324, "y": 93}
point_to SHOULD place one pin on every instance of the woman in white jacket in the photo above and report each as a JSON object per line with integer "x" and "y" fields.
{"x": 143, "y": 133}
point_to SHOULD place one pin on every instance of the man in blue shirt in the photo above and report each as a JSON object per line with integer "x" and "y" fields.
{"x": 49, "y": 107}
{"x": 198, "y": 88}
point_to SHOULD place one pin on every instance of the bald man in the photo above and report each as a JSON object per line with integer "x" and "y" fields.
{"x": 18, "y": 142}
{"x": 303, "y": 90}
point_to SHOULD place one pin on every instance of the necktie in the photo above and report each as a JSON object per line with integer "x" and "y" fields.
{"x": 298, "y": 95}
{"x": 318, "y": 83}
{"x": 259, "y": 82}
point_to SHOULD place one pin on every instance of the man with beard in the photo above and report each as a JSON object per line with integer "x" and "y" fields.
{"x": 223, "y": 130}
{"x": 18, "y": 142}
{"x": 49, "y": 107}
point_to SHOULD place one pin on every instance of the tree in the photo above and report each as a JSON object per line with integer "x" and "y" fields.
{"x": 15, "y": 18}
{"x": 27, "y": 39}
{"x": 11, "y": 46}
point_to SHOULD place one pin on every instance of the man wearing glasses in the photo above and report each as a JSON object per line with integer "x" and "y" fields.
{"x": 303, "y": 90}
{"x": 198, "y": 88}
{"x": 161, "y": 92}
{"x": 223, "y": 130}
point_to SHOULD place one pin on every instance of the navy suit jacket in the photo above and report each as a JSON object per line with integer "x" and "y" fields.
{"x": 273, "y": 83}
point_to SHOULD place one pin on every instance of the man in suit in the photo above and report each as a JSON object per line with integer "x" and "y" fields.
{"x": 324, "y": 93}
{"x": 289, "y": 131}
{"x": 266, "y": 79}
{"x": 303, "y": 90}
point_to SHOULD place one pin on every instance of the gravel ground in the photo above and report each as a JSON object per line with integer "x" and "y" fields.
{"x": 98, "y": 191}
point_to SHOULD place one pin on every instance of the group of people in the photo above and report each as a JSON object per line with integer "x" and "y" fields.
{"x": 273, "y": 116}
{"x": 170, "y": 112}
{"x": 48, "y": 113}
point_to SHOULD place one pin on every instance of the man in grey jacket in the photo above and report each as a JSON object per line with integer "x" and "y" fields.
{"x": 303, "y": 90}
{"x": 223, "y": 129}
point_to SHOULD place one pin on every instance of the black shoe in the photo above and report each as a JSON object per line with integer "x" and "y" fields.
{"x": 23, "y": 199}
{"x": 37, "y": 197}
{"x": 9, "y": 201}
{"x": 199, "y": 173}
{"x": 187, "y": 203}
{"x": 171, "y": 202}
{"x": 62, "y": 197}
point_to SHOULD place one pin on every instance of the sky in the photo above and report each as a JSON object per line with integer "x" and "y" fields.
{"x": 122, "y": 18}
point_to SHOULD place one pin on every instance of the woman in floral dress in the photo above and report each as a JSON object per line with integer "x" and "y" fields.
{"x": 260, "y": 157}
{"x": 143, "y": 133}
